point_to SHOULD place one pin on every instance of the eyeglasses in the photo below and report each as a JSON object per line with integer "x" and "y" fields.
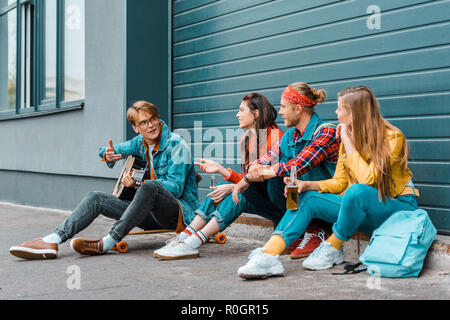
{"x": 145, "y": 123}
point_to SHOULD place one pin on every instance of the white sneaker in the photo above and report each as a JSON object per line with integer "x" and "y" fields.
{"x": 169, "y": 243}
{"x": 174, "y": 251}
{"x": 261, "y": 265}
{"x": 324, "y": 257}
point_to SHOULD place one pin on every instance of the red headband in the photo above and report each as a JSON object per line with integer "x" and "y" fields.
{"x": 293, "y": 96}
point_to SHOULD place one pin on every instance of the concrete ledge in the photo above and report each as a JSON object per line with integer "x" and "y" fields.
{"x": 251, "y": 220}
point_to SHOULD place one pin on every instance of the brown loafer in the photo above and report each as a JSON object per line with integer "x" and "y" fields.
{"x": 35, "y": 249}
{"x": 87, "y": 247}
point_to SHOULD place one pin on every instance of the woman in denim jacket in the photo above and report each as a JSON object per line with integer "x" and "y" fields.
{"x": 371, "y": 182}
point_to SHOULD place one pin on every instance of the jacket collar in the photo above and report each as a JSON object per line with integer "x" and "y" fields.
{"x": 309, "y": 131}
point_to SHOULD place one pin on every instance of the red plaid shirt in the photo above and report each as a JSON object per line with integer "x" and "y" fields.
{"x": 324, "y": 147}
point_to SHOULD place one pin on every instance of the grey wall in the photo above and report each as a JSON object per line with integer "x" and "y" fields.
{"x": 52, "y": 161}
{"x": 49, "y": 190}
{"x": 47, "y": 147}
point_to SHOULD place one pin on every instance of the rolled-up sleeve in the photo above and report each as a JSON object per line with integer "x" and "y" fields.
{"x": 130, "y": 147}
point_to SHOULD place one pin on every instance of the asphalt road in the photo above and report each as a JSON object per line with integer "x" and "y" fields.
{"x": 138, "y": 275}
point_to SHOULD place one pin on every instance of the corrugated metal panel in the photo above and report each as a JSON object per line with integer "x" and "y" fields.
{"x": 224, "y": 49}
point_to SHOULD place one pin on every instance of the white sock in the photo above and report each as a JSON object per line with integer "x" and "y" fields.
{"x": 108, "y": 243}
{"x": 186, "y": 233}
{"x": 196, "y": 240}
{"x": 52, "y": 238}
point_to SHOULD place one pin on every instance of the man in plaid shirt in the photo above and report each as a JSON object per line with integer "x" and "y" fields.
{"x": 310, "y": 144}
{"x": 324, "y": 147}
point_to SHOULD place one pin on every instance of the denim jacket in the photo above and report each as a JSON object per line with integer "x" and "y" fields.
{"x": 290, "y": 149}
{"x": 173, "y": 166}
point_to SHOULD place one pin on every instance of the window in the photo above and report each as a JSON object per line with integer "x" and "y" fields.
{"x": 74, "y": 51}
{"x": 49, "y": 50}
{"x": 8, "y": 56}
{"x": 42, "y": 65}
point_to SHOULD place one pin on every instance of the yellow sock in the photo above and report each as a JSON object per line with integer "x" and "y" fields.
{"x": 335, "y": 242}
{"x": 275, "y": 245}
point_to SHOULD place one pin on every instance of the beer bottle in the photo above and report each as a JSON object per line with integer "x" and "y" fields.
{"x": 292, "y": 191}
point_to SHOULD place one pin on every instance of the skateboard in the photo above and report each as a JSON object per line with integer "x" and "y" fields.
{"x": 123, "y": 247}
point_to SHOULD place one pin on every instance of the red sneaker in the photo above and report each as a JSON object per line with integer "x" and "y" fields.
{"x": 309, "y": 243}
{"x": 292, "y": 246}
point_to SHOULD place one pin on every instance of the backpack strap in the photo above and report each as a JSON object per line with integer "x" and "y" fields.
{"x": 351, "y": 269}
{"x": 323, "y": 125}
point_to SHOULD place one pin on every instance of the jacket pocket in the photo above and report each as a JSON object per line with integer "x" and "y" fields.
{"x": 386, "y": 249}
{"x": 161, "y": 169}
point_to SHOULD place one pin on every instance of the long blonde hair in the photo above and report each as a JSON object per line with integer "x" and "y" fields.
{"x": 369, "y": 130}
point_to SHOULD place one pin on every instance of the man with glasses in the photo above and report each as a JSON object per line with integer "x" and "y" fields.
{"x": 168, "y": 194}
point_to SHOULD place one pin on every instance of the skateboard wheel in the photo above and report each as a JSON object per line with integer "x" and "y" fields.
{"x": 220, "y": 238}
{"x": 122, "y": 246}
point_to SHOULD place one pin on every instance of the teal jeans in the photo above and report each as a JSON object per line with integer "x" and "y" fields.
{"x": 205, "y": 209}
{"x": 265, "y": 199}
{"x": 357, "y": 210}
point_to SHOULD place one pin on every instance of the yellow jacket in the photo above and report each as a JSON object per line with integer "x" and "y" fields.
{"x": 362, "y": 170}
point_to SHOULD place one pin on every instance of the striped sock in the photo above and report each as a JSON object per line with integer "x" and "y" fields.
{"x": 196, "y": 240}
{"x": 186, "y": 233}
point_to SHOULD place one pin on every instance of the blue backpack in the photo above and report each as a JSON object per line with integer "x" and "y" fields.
{"x": 398, "y": 247}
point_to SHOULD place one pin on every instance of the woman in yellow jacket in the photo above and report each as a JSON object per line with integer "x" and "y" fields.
{"x": 371, "y": 182}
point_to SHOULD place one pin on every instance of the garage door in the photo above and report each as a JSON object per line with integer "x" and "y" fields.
{"x": 225, "y": 49}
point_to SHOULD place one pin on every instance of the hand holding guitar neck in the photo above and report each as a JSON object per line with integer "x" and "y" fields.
{"x": 110, "y": 154}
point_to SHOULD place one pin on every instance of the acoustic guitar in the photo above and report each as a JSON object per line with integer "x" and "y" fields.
{"x": 139, "y": 173}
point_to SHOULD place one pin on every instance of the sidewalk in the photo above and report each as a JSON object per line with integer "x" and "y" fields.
{"x": 138, "y": 275}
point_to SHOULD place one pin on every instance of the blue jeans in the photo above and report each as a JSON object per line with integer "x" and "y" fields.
{"x": 265, "y": 199}
{"x": 357, "y": 210}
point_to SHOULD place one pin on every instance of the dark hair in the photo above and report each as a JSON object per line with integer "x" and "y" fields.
{"x": 266, "y": 119}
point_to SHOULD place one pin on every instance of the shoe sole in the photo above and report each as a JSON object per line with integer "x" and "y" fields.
{"x": 259, "y": 276}
{"x": 33, "y": 254}
{"x": 276, "y": 271}
{"x": 187, "y": 256}
{"x": 325, "y": 266}
{"x": 299, "y": 256}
